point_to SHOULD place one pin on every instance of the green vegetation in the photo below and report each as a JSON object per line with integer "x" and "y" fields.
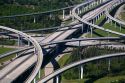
{"x": 96, "y": 69}
{"x": 73, "y": 81}
{"x": 14, "y": 7}
{"x": 4, "y": 50}
{"x": 108, "y": 79}
{"x": 123, "y": 15}
{"x": 64, "y": 59}
{"x": 35, "y": 5}
{"x": 4, "y": 41}
{"x": 100, "y": 20}
{"x": 7, "y": 58}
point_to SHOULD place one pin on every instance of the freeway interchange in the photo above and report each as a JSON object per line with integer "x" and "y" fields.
{"x": 35, "y": 54}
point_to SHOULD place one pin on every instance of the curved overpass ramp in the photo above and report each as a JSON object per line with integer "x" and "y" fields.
{"x": 67, "y": 67}
{"x": 38, "y": 53}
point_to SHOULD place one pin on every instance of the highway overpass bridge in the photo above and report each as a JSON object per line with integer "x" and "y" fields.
{"x": 34, "y": 54}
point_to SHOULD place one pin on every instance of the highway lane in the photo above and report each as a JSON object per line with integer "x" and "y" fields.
{"x": 22, "y": 66}
{"x": 7, "y": 70}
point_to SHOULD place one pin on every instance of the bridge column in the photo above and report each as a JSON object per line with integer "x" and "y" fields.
{"x": 82, "y": 27}
{"x": 81, "y": 72}
{"x": 90, "y": 5}
{"x": 34, "y": 19}
{"x": 100, "y": 1}
{"x": 28, "y": 43}
{"x": 100, "y": 15}
{"x": 35, "y": 52}
{"x": 57, "y": 79}
{"x": 50, "y": 15}
{"x": 88, "y": 29}
{"x": 115, "y": 24}
{"x": 120, "y": 27}
{"x": 108, "y": 20}
{"x": 85, "y": 8}
{"x": 97, "y": 2}
{"x": 16, "y": 54}
{"x": 78, "y": 11}
{"x": 63, "y": 14}
{"x": 70, "y": 12}
{"x": 19, "y": 40}
{"x": 91, "y": 31}
{"x": 39, "y": 74}
{"x": 34, "y": 81}
{"x": 94, "y": 3}
{"x": 96, "y": 19}
{"x": 109, "y": 65}
{"x": 111, "y": 22}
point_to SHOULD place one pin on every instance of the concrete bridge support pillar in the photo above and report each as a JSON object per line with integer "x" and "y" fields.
{"x": 94, "y": 3}
{"x": 111, "y": 22}
{"x": 120, "y": 27}
{"x": 96, "y": 19}
{"x": 34, "y": 19}
{"x": 82, "y": 27}
{"x": 100, "y": 15}
{"x": 108, "y": 20}
{"x": 91, "y": 31}
{"x": 34, "y": 81}
{"x": 19, "y": 40}
{"x": 109, "y": 65}
{"x": 78, "y": 11}
{"x": 39, "y": 74}
{"x": 28, "y": 43}
{"x": 88, "y": 29}
{"x": 57, "y": 79}
{"x": 115, "y": 24}
{"x": 70, "y": 12}
{"x": 99, "y": 1}
{"x": 73, "y": 18}
{"x": 16, "y": 54}
{"x": 63, "y": 14}
{"x": 86, "y": 8}
{"x": 89, "y": 5}
{"x": 81, "y": 72}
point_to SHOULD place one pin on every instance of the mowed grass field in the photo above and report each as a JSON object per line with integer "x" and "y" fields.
{"x": 110, "y": 79}
{"x": 5, "y": 50}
